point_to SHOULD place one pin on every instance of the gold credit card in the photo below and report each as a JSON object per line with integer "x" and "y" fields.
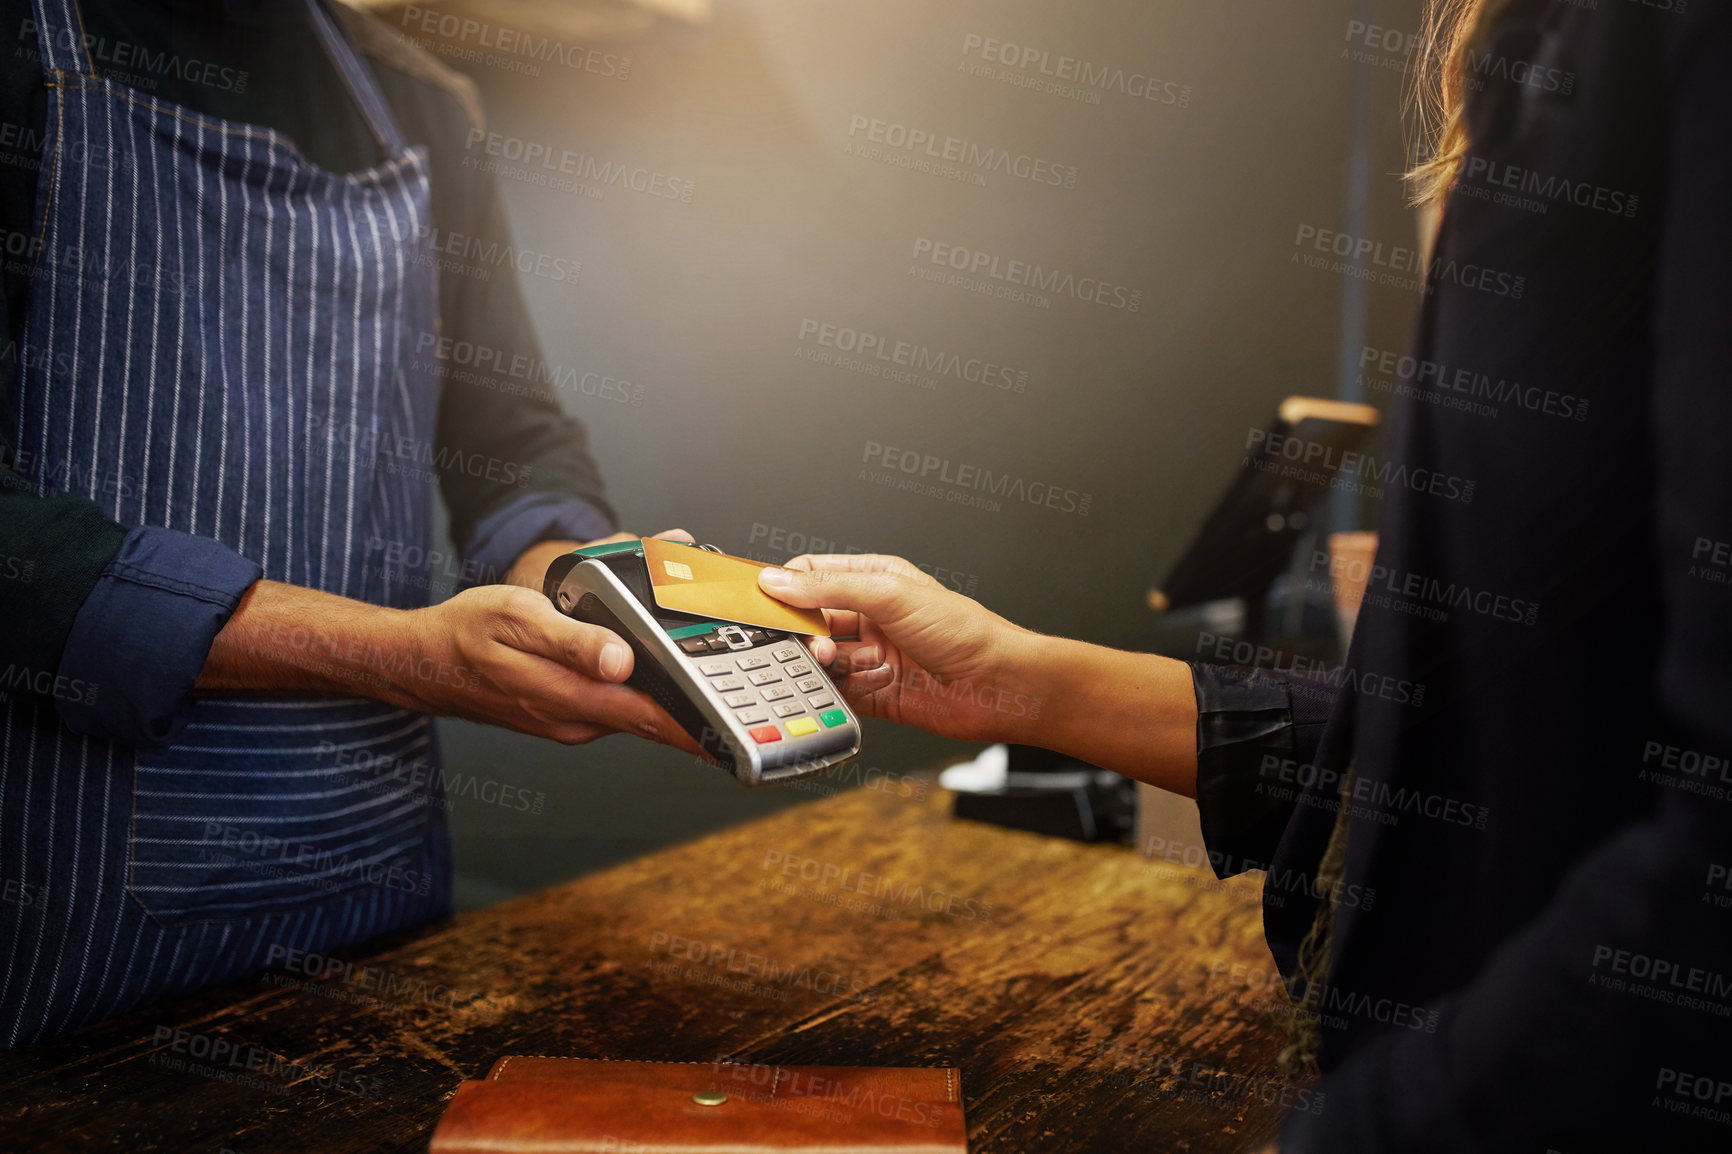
{"x": 687, "y": 579}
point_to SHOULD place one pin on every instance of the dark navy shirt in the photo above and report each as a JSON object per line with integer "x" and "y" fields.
{"x": 1533, "y": 944}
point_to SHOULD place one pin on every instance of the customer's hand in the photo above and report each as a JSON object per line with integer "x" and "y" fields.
{"x": 925, "y": 655}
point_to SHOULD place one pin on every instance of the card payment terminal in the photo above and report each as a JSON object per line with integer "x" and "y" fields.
{"x": 753, "y": 698}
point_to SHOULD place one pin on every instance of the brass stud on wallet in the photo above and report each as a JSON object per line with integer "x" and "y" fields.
{"x": 589, "y": 1106}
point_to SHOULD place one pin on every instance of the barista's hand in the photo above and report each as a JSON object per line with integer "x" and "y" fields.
{"x": 498, "y": 654}
{"x": 532, "y": 668}
{"x": 517, "y": 661}
{"x": 926, "y": 655}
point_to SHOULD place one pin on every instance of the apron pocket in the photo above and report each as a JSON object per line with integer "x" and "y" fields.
{"x": 271, "y": 805}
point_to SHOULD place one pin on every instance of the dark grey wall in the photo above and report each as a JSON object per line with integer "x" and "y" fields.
{"x": 730, "y": 428}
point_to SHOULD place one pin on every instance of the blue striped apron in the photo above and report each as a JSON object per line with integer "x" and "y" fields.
{"x": 218, "y": 341}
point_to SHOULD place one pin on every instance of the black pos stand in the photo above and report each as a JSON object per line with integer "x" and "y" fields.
{"x": 1311, "y": 448}
{"x": 1246, "y": 543}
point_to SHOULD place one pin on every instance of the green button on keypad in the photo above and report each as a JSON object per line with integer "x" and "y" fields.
{"x": 833, "y": 717}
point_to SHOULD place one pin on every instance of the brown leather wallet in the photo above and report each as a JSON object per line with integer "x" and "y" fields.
{"x": 588, "y": 1106}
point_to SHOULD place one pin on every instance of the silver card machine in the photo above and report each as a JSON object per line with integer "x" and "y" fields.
{"x": 752, "y": 698}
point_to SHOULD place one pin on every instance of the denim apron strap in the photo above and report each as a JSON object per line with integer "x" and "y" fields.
{"x": 356, "y": 78}
{"x": 60, "y": 38}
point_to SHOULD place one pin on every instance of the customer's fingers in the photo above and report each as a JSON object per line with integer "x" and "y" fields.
{"x": 861, "y": 563}
{"x": 881, "y": 595}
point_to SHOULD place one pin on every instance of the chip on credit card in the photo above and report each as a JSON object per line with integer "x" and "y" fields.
{"x": 687, "y": 579}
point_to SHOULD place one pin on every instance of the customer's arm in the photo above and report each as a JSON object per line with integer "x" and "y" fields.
{"x": 931, "y": 657}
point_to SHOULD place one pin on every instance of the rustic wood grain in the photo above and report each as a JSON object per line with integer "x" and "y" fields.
{"x": 1087, "y": 995}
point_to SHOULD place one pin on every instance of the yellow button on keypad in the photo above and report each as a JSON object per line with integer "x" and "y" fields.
{"x": 801, "y": 726}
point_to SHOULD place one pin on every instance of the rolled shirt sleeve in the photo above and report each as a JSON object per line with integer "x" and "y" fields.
{"x": 140, "y": 639}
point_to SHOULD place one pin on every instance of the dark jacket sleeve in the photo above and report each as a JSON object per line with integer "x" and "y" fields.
{"x": 1611, "y": 1014}
{"x": 526, "y": 471}
{"x": 52, "y": 552}
{"x": 1257, "y": 736}
{"x": 514, "y": 466}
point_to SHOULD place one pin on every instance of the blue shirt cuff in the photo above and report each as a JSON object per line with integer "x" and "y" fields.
{"x": 142, "y": 636}
{"x": 502, "y": 536}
